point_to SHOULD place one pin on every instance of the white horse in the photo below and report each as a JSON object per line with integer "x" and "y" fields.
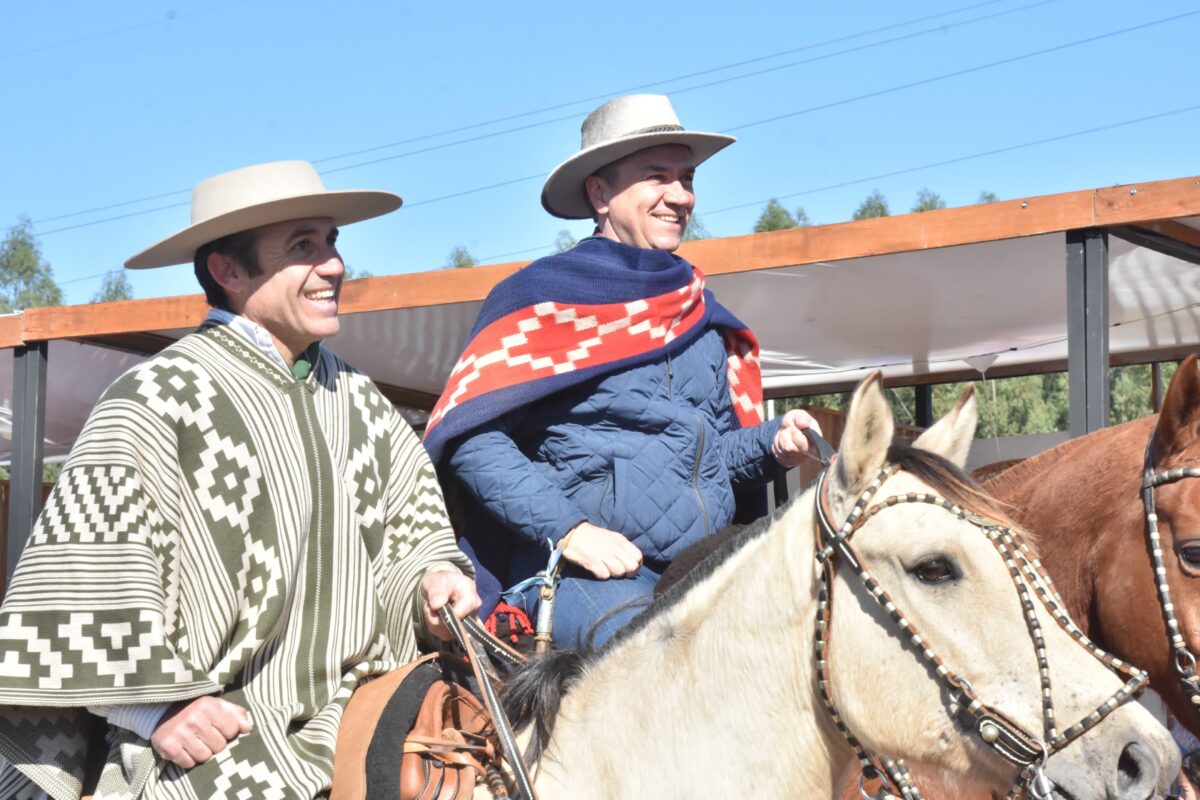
{"x": 714, "y": 691}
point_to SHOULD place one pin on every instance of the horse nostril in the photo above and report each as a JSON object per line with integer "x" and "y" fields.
{"x": 1137, "y": 773}
{"x": 1129, "y": 767}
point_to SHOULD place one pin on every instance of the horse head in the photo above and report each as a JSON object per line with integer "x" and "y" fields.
{"x": 1130, "y": 589}
{"x": 937, "y": 612}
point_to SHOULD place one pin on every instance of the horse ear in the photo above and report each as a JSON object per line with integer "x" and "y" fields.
{"x": 952, "y": 435}
{"x": 867, "y": 436}
{"x": 1179, "y": 421}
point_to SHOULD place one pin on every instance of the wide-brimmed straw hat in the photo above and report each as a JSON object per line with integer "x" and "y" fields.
{"x": 611, "y": 132}
{"x": 260, "y": 195}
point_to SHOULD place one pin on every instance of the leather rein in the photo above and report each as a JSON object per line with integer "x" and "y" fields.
{"x": 1183, "y": 659}
{"x": 995, "y": 729}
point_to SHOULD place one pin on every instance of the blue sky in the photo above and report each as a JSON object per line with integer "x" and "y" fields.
{"x": 128, "y": 105}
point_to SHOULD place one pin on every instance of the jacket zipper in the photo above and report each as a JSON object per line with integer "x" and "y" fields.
{"x": 670, "y": 375}
{"x": 696, "y": 473}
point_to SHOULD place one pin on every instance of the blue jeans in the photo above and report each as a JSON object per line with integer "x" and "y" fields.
{"x": 588, "y": 611}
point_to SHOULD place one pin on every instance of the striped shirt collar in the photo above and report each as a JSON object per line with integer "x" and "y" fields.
{"x": 263, "y": 341}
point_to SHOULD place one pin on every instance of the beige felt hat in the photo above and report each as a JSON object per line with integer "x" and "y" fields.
{"x": 614, "y": 130}
{"x": 260, "y": 195}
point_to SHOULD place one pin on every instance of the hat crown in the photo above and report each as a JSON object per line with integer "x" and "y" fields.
{"x": 254, "y": 185}
{"x": 629, "y": 116}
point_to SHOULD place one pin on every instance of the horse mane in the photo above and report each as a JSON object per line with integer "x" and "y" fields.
{"x": 532, "y": 694}
{"x": 1037, "y": 465}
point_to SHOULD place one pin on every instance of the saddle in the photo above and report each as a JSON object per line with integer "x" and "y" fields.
{"x": 431, "y": 730}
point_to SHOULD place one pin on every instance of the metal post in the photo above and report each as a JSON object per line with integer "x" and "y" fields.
{"x": 924, "y": 395}
{"x": 28, "y": 433}
{"x": 1156, "y": 387}
{"x": 1087, "y": 330}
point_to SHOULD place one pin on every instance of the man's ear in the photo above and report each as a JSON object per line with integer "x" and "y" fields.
{"x": 228, "y": 274}
{"x": 597, "y": 193}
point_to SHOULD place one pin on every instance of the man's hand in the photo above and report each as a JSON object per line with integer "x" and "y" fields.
{"x": 447, "y": 588}
{"x": 192, "y": 731}
{"x": 604, "y": 553}
{"x": 791, "y": 445}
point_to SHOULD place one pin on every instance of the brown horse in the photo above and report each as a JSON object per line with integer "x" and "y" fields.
{"x": 1083, "y": 501}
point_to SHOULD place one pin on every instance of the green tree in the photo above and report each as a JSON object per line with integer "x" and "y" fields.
{"x": 987, "y": 197}
{"x": 928, "y": 201}
{"x": 353, "y": 274}
{"x": 695, "y": 229}
{"x": 774, "y": 218}
{"x": 564, "y": 241}
{"x": 26, "y": 279}
{"x": 115, "y": 287}
{"x": 460, "y": 257}
{"x": 802, "y": 217}
{"x": 874, "y": 206}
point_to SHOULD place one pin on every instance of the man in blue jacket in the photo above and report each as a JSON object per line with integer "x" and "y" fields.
{"x": 607, "y": 408}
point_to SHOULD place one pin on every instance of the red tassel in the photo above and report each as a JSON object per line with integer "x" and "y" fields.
{"x": 518, "y": 622}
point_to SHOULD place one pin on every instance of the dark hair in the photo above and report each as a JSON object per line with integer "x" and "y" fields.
{"x": 608, "y": 174}
{"x": 242, "y": 247}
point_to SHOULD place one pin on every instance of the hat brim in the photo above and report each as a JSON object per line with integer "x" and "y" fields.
{"x": 342, "y": 207}
{"x": 563, "y": 194}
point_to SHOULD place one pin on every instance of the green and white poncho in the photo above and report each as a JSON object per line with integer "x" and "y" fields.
{"x": 220, "y": 527}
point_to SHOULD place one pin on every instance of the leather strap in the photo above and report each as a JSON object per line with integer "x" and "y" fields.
{"x": 467, "y": 638}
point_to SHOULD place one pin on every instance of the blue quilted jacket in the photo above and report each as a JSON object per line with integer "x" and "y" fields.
{"x": 654, "y": 451}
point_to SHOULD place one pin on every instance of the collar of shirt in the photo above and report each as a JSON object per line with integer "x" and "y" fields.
{"x": 263, "y": 341}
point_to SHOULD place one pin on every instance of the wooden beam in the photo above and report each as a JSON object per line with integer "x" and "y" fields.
{"x": 12, "y": 330}
{"x": 126, "y": 316}
{"x": 423, "y": 288}
{"x": 1123, "y": 205}
{"x": 1143, "y": 202}
{"x": 1173, "y": 230}
{"x": 142, "y": 344}
{"x": 409, "y": 398}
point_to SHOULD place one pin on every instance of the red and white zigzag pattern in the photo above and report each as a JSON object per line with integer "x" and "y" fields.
{"x": 553, "y": 338}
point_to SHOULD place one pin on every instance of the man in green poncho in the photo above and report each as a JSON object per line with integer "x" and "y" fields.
{"x": 244, "y": 530}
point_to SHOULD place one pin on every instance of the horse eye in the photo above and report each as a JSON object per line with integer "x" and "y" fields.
{"x": 1189, "y": 551}
{"x": 935, "y": 570}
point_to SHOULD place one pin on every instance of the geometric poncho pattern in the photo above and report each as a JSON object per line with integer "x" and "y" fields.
{"x": 220, "y": 527}
{"x": 594, "y": 309}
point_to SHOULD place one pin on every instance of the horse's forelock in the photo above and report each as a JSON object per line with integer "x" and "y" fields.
{"x": 947, "y": 480}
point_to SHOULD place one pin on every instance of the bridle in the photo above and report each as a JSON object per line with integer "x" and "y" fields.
{"x": 1183, "y": 659}
{"x": 998, "y": 731}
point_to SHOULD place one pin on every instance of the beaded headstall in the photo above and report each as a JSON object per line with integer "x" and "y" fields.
{"x": 998, "y": 731}
{"x": 1184, "y": 660}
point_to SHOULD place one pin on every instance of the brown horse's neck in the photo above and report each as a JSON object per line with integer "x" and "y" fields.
{"x": 1085, "y": 514}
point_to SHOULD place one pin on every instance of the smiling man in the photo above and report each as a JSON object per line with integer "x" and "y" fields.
{"x": 607, "y": 408}
{"x": 244, "y": 530}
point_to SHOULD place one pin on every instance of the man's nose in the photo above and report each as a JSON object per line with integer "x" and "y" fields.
{"x": 332, "y": 266}
{"x": 680, "y": 195}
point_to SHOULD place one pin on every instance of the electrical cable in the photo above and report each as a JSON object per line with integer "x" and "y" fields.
{"x": 619, "y": 92}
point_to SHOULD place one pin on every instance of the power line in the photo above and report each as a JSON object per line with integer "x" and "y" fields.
{"x": 881, "y": 92}
{"x": 960, "y": 159}
{"x": 593, "y": 98}
{"x": 171, "y": 17}
{"x": 753, "y": 74}
{"x": 843, "y": 184}
{"x": 969, "y": 70}
{"x": 709, "y": 71}
{"x": 809, "y": 110}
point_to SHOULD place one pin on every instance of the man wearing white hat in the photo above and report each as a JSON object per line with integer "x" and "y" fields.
{"x": 245, "y": 529}
{"x": 607, "y": 410}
